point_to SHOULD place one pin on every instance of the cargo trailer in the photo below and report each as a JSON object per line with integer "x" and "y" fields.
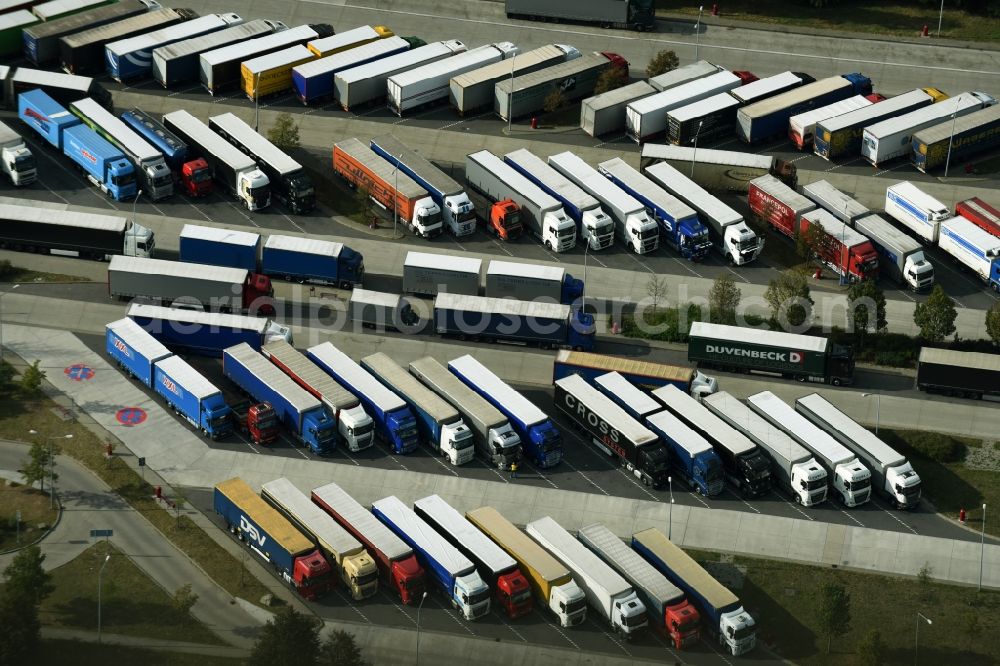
{"x": 41, "y": 42}
{"x": 426, "y": 274}
{"x": 382, "y": 311}
{"x": 472, "y": 91}
{"x": 12, "y": 25}
{"x": 178, "y": 62}
{"x": 206, "y": 333}
{"x": 349, "y": 39}
{"x": 86, "y": 235}
{"x": 605, "y": 113}
{"x": 681, "y": 75}
{"x": 55, "y": 9}
{"x": 644, "y": 374}
{"x": 83, "y": 52}
{"x": 901, "y": 257}
{"x": 802, "y": 126}
{"x": 313, "y": 81}
{"x": 647, "y": 117}
{"x": 719, "y": 170}
{"x": 703, "y": 120}
{"x": 972, "y": 247}
{"x": 975, "y": 133}
{"x": 844, "y": 207}
{"x": 916, "y": 210}
{"x": 628, "y": 15}
{"x": 310, "y": 260}
{"x": 63, "y": 88}
{"x": 770, "y": 86}
{"x": 980, "y": 213}
{"x": 530, "y": 282}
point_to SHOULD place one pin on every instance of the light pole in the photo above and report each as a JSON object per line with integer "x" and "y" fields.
{"x": 916, "y": 637}
{"x": 951, "y": 138}
{"x": 878, "y": 403}
{"x": 586, "y": 251}
{"x": 697, "y": 32}
{"x": 256, "y": 102}
{"x": 670, "y": 519}
{"x": 982, "y": 547}
{"x": 694, "y": 154}
{"x": 419, "y": 606}
{"x": 135, "y": 237}
{"x": 940, "y": 17}
{"x": 395, "y": 186}
{"x": 100, "y": 575}
{"x": 2, "y": 294}
{"x": 510, "y": 98}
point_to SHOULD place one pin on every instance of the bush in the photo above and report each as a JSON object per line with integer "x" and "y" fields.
{"x": 666, "y": 321}
{"x": 7, "y": 269}
{"x": 936, "y": 446}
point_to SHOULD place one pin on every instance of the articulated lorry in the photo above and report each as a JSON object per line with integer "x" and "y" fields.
{"x": 980, "y": 213}
{"x": 769, "y": 86}
{"x": 456, "y": 207}
{"x": 313, "y": 81}
{"x": 849, "y": 479}
{"x": 606, "y": 591}
{"x": 178, "y": 62}
{"x": 383, "y": 311}
{"x": 234, "y": 170}
{"x": 355, "y": 566}
{"x": 41, "y": 41}
{"x": 845, "y": 208}
{"x": 395, "y": 423}
{"x": 540, "y": 212}
{"x": 719, "y": 170}
{"x": 473, "y": 90}
{"x": 266, "y": 532}
{"x": 194, "y": 175}
{"x": 184, "y": 389}
{"x": 349, "y": 40}
{"x": 391, "y": 190}
{"x": 704, "y": 119}
{"x": 665, "y": 603}
{"x": 683, "y": 74}
{"x": 454, "y": 573}
{"x": 16, "y": 161}
{"x": 916, "y": 210}
{"x": 530, "y": 282}
{"x": 86, "y": 235}
{"x": 721, "y": 610}
{"x": 495, "y": 439}
{"x": 63, "y": 88}
{"x": 500, "y": 571}
{"x": 593, "y": 225}
{"x": 396, "y": 562}
{"x": 289, "y": 183}
{"x": 802, "y": 126}
{"x": 793, "y": 467}
{"x": 972, "y": 247}
{"x": 302, "y": 413}
{"x": 605, "y": 113}
{"x": 220, "y": 68}
{"x": 645, "y": 374}
{"x": 802, "y": 357}
{"x": 901, "y": 257}
{"x": 892, "y": 474}
{"x": 635, "y": 15}
{"x": 940, "y": 144}
{"x": 440, "y": 425}
{"x": 646, "y": 118}
{"x": 83, "y": 52}
{"x": 551, "y": 582}
{"x": 206, "y": 333}
{"x": 427, "y": 274}
{"x": 271, "y": 74}
{"x": 541, "y": 441}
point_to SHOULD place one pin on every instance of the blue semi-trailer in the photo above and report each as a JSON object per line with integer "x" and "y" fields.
{"x": 206, "y": 333}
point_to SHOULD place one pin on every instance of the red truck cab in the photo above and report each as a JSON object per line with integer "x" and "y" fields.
{"x": 405, "y": 575}
{"x": 616, "y": 60}
{"x": 745, "y": 76}
{"x": 258, "y": 295}
{"x": 682, "y": 624}
{"x": 846, "y": 251}
{"x": 513, "y": 594}
{"x": 312, "y": 575}
{"x": 505, "y": 220}
{"x": 875, "y": 98}
{"x": 196, "y": 177}
{"x": 262, "y": 424}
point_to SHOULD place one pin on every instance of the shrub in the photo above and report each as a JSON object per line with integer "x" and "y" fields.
{"x": 936, "y": 446}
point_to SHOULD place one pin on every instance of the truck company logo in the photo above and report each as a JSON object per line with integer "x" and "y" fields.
{"x": 170, "y": 385}
{"x": 782, "y": 357}
{"x": 123, "y": 348}
{"x": 247, "y": 528}
{"x": 89, "y": 156}
{"x": 610, "y": 435}
{"x": 43, "y": 121}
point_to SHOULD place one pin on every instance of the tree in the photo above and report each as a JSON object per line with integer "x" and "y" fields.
{"x": 935, "y": 317}
{"x": 285, "y": 133}
{"x": 971, "y": 627}
{"x": 31, "y": 380}
{"x": 872, "y": 650}
{"x": 723, "y": 299}
{"x": 993, "y": 323}
{"x": 610, "y": 79}
{"x": 290, "y": 638}
{"x": 814, "y": 241}
{"x": 554, "y": 101}
{"x": 656, "y": 289}
{"x": 789, "y": 298}
{"x": 861, "y": 296}
{"x": 340, "y": 649}
{"x": 21, "y": 630}
{"x": 36, "y": 470}
{"x": 184, "y": 599}
{"x": 25, "y": 578}
{"x": 7, "y": 373}
{"x": 364, "y": 201}
{"x": 661, "y": 63}
{"x": 834, "y": 612}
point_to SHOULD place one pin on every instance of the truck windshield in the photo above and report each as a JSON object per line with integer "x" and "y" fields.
{"x": 576, "y": 606}
{"x": 912, "y": 491}
{"x": 479, "y": 597}
{"x": 521, "y": 597}
{"x": 686, "y": 626}
{"x": 126, "y": 179}
{"x": 467, "y": 215}
{"x": 163, "y": 181}
{"x": 745, "y": 632}
{"x": 367, "y": 579}
{"x": 408, "y": 432}
{"x": 650, "y": 233}
{"x": 463, "y": 441}
{"x": 219, "y": 422}
{"x": 714, "y": 471}
{"x": 565, "y": 233}
{"x": 749, "y": 244}
{"x": 24, "y": 163}
{"x": 362, "y": 430}
{"x": 859, "y": 485}
{"x": 512, "y": 220}
{"x": 430, "y": 220}
{"x": 636, "y": 620}
{"x": 261, "y": 195}
{"x": 816, "y": 485}
{"x": 201, "y": 176}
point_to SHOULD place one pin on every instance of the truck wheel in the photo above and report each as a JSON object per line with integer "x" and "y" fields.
{"x": 836, "y": 381}
{"x": 548, "y": 245}
{"x": 800, "y": 378}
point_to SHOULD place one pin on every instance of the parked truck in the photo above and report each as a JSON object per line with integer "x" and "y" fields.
{"x": 221, "y": 68}
{"x": 705, "y": 119}
{"x": 916, "y": 210}
{"x": 548, "y": 325}
{"x": 450, "y": 569}
{"x": 154, "y": 174}
{"x": 531, "y": 282}
{"x": 802, "y": 357}
{"x": 973, "y": 248}
{"x": 647, "y": 117}
{"x": 206, "y": 333}
{"x": 939, "y": 144}
{"x": 683, "y": 74}
{"x": 901, "y": 257}
{"x": 849, "y": 480}
{"x": 289, "y": 183}
{"x": 892, "y": 474}
{"x": 266, "y": 532}
{"x": 17, "y": 161}
{"x": 186, "y": 391}
{"x": 12, "y": 24}
{"x": 802, "y": 126}
{"x": 645, "y": 374}
{"x": 302, "y": 413}
{"x": 85, "y": 235}
{"x": 63, "y": 88}
{"x": 396, "y": 562}
{"x": 41, "y": 41}
{"x": 611, "y": 429}
{"x": 664, "y": 601}
{"x": 395, "y": 423}
{"x": 83, "y": 52}
{"x": 886, "y": 140}
{"x": 313, "y": 81}
{"x": 54, "y": 9}
{"x": 721, "y": 610}
{"x": 427, "y": 274}
{"x": 592, "y": 224}
{"x": 842, "y": 135}
{"x": 311, "y": 260}
{"x": 271, "y": 74}
{"x": 194, "y": 175}
{"x": 769, "y": 86}
{"x": 382, "y": 311}
{"x": 539, "y": 212}
{"x": 793, "y": 468}
{"x": 362, "y": 167}
{"x": 719, "y": 170}
{"x": 473, "y": 90}
{"x": 551, "y": 582}
{"x": 633, "y": 227}
{"x": 456, "y": 207}
{"x": 500, "y": 571}
{"x": 219, "y": 247}
{"x": 234, "y": 170}
{"x": 348, "y": 40}
{"x": 842, "y": 206}
{"x": 355, "y": 427}
{"x": 980, "y": 213}
{"x": 604, "y": 113}
{"x": 440, "y": 425}
{"x": 769, "y": 117}
{"x": 678, "y": 223}
{"x": 606, "y": 591}
{"x": 635, "y": 15}
{"x": 541, "y": 441}
{"x": 962, "y": 374}
{"x": 525, "y": 94}
{"x": 734, "y": 240}
{"x": 354, "y": 565}
{"x": 495, "y": 439}
{"x": 178, "y": 62}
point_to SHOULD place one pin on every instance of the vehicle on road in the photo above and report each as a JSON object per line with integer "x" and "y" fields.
{"x": 961, "y": 374}
{"x": 645, "y": 374}
{"x": 530, "y": 282}
{"x": 635, "y": 15}
{"x": 206, "y": 333}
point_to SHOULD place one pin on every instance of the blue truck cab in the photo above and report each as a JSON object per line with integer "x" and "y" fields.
{"x": 192, "y": 396}
{"x": 691, "y": 456}
{"x": 104, "y": 165}
{"x": 46, "y": 116}
{"x": 175, "y": 151}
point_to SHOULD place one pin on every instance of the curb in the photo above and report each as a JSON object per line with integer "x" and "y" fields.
{"x": 44, "y": 534}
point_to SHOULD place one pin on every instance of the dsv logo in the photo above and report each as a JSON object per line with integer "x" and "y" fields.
{"x": 252, "y": 531}
{"x": 123, "y": 348}
{"x": 170, "y": 385}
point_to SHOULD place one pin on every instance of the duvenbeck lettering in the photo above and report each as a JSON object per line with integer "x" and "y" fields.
{"x": 782, "y": 357}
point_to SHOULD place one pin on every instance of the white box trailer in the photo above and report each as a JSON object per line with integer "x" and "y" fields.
{"x": 719, "y": 170}
{"x": 221, "y": 67}
{"x": 178, "y": 62}
{"x": 647, "y": 117}
{"x": 845, "y": 208}
{"x": 901, "y": 257}
{"x": 768, "y": 86}
{"x": 802, "y": 126}
{"x": 681, "y": 75}
{"x": 704, "y": 119}
{"x": 842, "y": 135}
{"x": 916, "y": 210}
{"x": 427, "y": 274}
{"x": 605, "y": 113}
{"x": 473, "y": 90}
{"x": 973, "y": 247}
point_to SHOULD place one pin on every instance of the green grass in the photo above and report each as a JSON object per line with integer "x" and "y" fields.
{"x": 782, "y": 598}
{"x": 884, "y": 18}
{"x": 53, "y": 653}
{"x": 132, "y": 604}
{"x": 34, "y": 507}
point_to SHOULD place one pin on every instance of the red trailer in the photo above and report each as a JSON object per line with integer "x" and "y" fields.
{"x": 777, "y": 204}
{"x": 848, "y": 252}
{"x": 981, "y": 214}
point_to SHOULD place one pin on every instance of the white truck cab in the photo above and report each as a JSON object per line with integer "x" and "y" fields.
{"x": 459, "y": 214}
{"x": 853, "y": 482}
{"x": 254, "y": 189}
{"x": 702, "y": 385}
{"x": 457, "y": 443}
{"x": 356, "y": 428}
{"x": 597, "y": 229}
{"x": 737, "y": 631}
{"x": 808, "y": 478}
{"x": 903, "y": 483}
{"x": 139, "y": 241}
{"x": 569, "y": 603}
{"x": 471, "y": 596}
{"x": 427, "y": 220}
{"x": 642, "y": 234}
{"x": 18, "y": 162}
{"x": 558, "y": 231}
{"x": 742, "y": 245}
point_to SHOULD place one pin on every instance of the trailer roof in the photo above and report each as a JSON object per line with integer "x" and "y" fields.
{"x": 630, "y": 564}
{"x": 66, "y": 25}
{"x": 630, "y": 366}
{"x": 113, "y": 126}
{"x": 213, "y": 319}
{"x": 21, "y": 17}
{"x": 231, "y": 35}
{"x": 209, "y": 140}
{"x": 25, "y": 76}
{"x": 381, "y": 167}
{"x": 521, "y": 61}
{"x": 412, "y": 58}
{"x": 699, "y": 198}
{"x": 823, "y": 192}
{"x": 253, "y": 141}
{"x": 664, "y": 421}
{"x": 383, "y": 298}
{"x": 331, "y": 536}
{"x": 247, "y": 49}
{"x": 660, "y": 151}
{"x": 607, "y": 409}
{"x": 501, "y": 306}
{"x": 358, "y": 378}
{"x": 555, "y": 72}
{"x": 887, "y": 234}
{"x": 684, "y": 567}
{"x": 346, "y": 59}
{"x": 656, "y": 195}
{"x": 178, "y": 269}
{"x": 54, "y": 8}
{"x": 676, "y": 77}
{"x": 632, "y": 91}
{"x": 834, "y": 227}
{"x": 430, "y": 542}
{"x": 513, "y": 401}
{"x": 674, "y": 97}
{"x": 553, "y": 180}
{"x": 514, "y": 179}
{"x": 576, "y": 556}
{"x": 346, "y": 38}
{"x": 190, "y": 379}
{"x": 137, "y": 338}
{"x": 941, "y": 132}
{"x": 178, "y": 31}
{"x": 916, "y": 195}
{"x": 450, "y": 66}
{"x": 419, "y": 164}
{"x": 457, "y": 391}
{"x": 812, "y": 343}
{"x": 691, "y": 410}
{"x": 220, "y": 235}
{"x": 293, "y": 55}
{"x": 783, "y": 193}
{"x": 363, "y": 521}
{"x": 873, "y": 111}
{"x": 530, "y": 271}
{"x": 784, "y": 416}
{"x": 823, "y": 410}
{"x": 111, "y": 31}
{"x": 507, "y": 534}
{"x": 755, "y": 426}
{"x": 813, "y": 116}
{"x": 485, "y": 550}
{"x": 316, "y": 246}
{"x": 58, "y": 217}
{"x": 794, "y": 96}
{"x": 966, "y": 233}
{"x": 766, "y": 86}
{"x": 448, "y": 261}
{"x": 412, "y": 390}
{"x": 698, "y": 109}
{"x": 943, "y": 109}
{"x": 592, "y": 181}
{"x": 629, "y": 393}
{"x": 277, "y": 380}
{"x": 310, "y": 373}
{"x": 272, "y": 522}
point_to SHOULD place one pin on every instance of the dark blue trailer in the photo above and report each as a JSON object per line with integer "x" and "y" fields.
{"x": 219, "y": 247}
{"x": 175, "y": 151}
{"x": 206, "y": 333}
{"x": 133, "y": 349}
{"x": 312, "y": 260}
{"x": 190, "y": 395}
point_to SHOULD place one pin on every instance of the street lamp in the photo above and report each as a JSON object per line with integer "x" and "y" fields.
{"x": 697, "y": 32}
{"x": 878, "y": 403}
{"x": 419, "y": 606}
{"x": 395, "y": 186}
{"x": 982, "y": 547}
{"x": 916, "y": 637}
{"x": 586, "y": 251}
{"x": 2, "y": 294}
{"x": 510, "y": 98}
{"x": 670, "y": 519}
{"x": 100, "y": 575}
{"x": 135, "y": 237}
{"x": 256, "y": 102}
{"x": 940, "y": 17}
{"x": 951, "y": 138}
{"x": 694, "y": 154}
